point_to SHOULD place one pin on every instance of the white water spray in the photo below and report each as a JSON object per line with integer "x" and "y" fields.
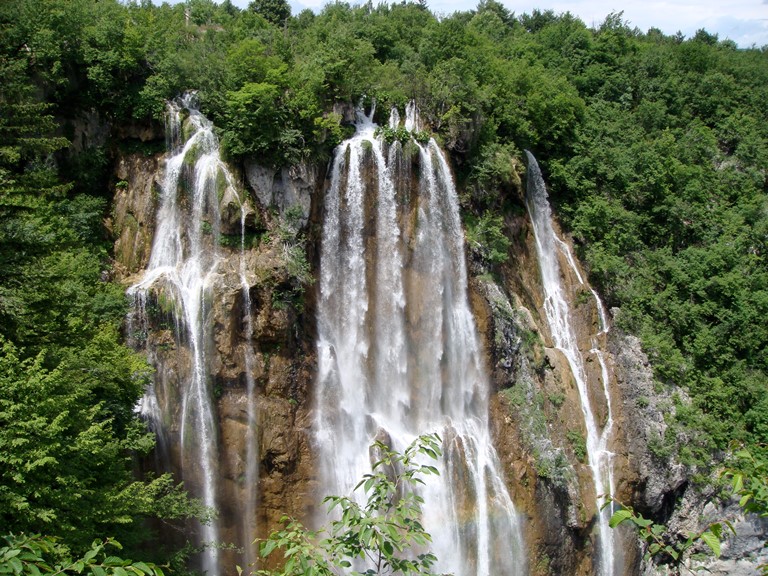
{"x": 179, "y": 278}
{"x": 558, "y": 312}
{"x": 398, "y": 349}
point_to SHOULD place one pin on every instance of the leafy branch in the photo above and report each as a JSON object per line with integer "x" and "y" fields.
{"x": 38, "y": 555}
{"x": 371, "y": 538}
{"x": 662, "y": 543}
{"x": 750, "y": 483}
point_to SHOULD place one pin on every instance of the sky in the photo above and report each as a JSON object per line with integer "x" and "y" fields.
{"x": 743, "y": 21}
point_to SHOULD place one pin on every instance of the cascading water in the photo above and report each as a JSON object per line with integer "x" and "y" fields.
{"x": 249, "y": 527}
{"x": 558, "y": 313}
{"x": 180, "y": 279}
{"x": 397, "y": 346}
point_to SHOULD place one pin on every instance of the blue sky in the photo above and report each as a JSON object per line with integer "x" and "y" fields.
{"x": 743, "y": 21}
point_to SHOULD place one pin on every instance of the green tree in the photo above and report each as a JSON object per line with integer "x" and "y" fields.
{"x": 65, "y": 464}
{"x": 68, "y": 386}
{"x": 370, "y": 538}
{"x": 37, "y": 555}
{"x": 274, "y": 11}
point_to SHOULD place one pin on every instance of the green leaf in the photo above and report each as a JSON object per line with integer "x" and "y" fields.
{"x": 745, "y": 499}
{"x": 712, "y": 541}
{"x": 16, "y": 565}
{"x": 91, "y": 554}
{"x": 643, "y": 522}
{"x": 387, "y": 548}
{"x": 142, "y": 567}
{"x": 619, "y": 516}
{"x": 267, "y": 548}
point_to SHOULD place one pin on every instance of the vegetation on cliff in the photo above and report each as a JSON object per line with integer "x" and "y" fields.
{"x": 656, "y": 148}
{"x": 383, "y": 536}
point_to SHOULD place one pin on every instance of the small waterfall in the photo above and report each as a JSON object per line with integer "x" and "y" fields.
{"x": 412, "y": 117}
{"x": 398, "y": 350}
{"x": 180, "y": 277}
{"x": 251, "y": 442}
{"x": 558, "y": 312}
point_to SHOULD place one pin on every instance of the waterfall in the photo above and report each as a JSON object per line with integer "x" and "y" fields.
{"x": 251, "y": 456}
{"x": 180, "y": 279}
{"x": 398, "y": 350}
{"x": 558, "y": 312}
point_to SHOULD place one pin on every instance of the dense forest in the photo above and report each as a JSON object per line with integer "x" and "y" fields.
{"x": 655, "y": 148}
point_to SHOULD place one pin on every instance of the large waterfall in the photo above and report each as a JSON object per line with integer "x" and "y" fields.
{"x": 551, "y": 251}
{"x": 398, "y": 351}
{"x": 179, "y": 284}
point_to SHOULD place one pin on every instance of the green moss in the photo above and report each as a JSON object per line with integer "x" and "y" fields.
{"x": 578, "y": 444}
{"x": 556, "y": 399}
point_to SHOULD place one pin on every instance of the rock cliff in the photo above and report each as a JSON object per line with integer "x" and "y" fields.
{"x": 265, "y": 332}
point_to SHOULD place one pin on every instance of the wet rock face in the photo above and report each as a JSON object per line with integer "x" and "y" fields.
{"x": 133, "y": 211}
{"x": 547, "y": 480}
{"x": 537, "y": 414}
{"x": 280, "y": 356}
{"x": 284, "y": 189}
{"x": 649, "y": 478}
{"x": 535, "y": 411}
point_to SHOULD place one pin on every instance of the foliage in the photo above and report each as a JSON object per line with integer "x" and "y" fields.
{"x": 64, "y": 451}
{"x": 274, "y": 11}
{"x": 748, "y": 478}
{"x": 37, "y": 555}
{"x": 664, "y": 545}
{"x": 390, "y": 135}
{"x": 374, "y": 537}
{"x": 749, "y": 481}
{"x": 289, "y": 242}
{"x": 486, "y": 236}
{"x": 578, "y": 443}
{"x": 68, "y": 385}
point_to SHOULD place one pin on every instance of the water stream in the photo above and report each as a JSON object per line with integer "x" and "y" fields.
{"x": 398, "y": 349}
{"x": 558, "y": 311}
{"x": 180, "y": 280}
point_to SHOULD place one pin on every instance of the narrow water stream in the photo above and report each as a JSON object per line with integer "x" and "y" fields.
{"x": 558, "y": 309}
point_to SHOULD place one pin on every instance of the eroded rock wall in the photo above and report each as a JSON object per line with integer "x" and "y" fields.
{"x": 537, "y": 412}
{"x": 535, "y": 408}
{"x": 283, "y": 358}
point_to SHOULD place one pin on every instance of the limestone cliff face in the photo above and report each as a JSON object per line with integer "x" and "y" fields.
{"x": 282, "y": 352}
{"x": 535, "y": 409}
{"x": 539, "y": 424}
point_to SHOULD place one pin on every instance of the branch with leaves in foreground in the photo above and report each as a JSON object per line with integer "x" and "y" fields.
{"x": 376, "y": 537}
{"x": 37, "y": 555}
{"x": 664, "y": 545}
{"x": 748, "y": 480}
